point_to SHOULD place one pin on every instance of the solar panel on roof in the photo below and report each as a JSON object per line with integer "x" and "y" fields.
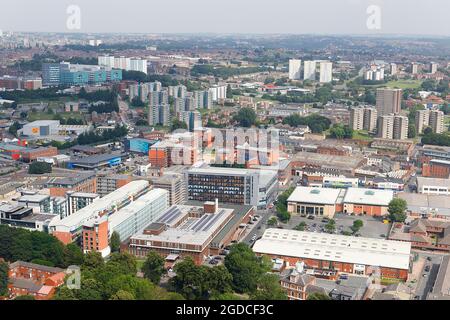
{"x": 216, "y": 217}
{"x": 201, "y": 223}
{"x": 175, "y": 215}
{"x": 170, "y": 215}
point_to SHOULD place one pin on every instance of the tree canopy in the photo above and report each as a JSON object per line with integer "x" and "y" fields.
{"x": 397, "y": 210}
{"x": 315, "y": 122}
{"x": 153, "y": 267}
{"x": 20, "y": 244}
{"x": 246, "y": 117}
{"x": 245, "y": 267}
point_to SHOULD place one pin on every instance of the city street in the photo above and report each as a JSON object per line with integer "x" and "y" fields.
{"x": 426, "y": 278}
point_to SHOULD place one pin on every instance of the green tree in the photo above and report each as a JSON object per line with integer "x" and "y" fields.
{"x": 357, "y": 225}
{"x": 272, "y": 221}
{"x": 246, "y": 117}
{"x": 123, "y": 295}
{"x": 177, "y": 124}
{"x": 115, "y": 242}
{"x": 93, "y": 260}
{"x": 25, "y": 297}
{"x": 397, "y": 210}
{"x": 64, "y": 293}
{"x": 190, "y": 280}
{"x": 137, "y": 102}
{"x": 330, "y": 227}
{"x": 73, "y": 255}
{"x": 318, "y": 296}
{"x": 269, "y": 288}
{"x": 3, "y": 278}
{"x": 301, "y": 226}
{"x": 153, "y": 267}
{"x": 412, "y": 131}
{"x": 245, "y": 267}
{"x": 281, "y": 206}
{"x": 229, "y": 92}
{"x": 13, "y": 128}
{"x": 427, "y": 131}
{"x": 39, "y": 168}
{"x": 219, "y": 280}
{"x": 125, "y": 261}
{"x": 90, "y": 290}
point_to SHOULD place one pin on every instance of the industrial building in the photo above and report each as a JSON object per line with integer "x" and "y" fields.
{"x": 81, "y": 182}
{"x": 51, "y": 128}
{"x": 192, "y": 230}
{"x": 125, "y": 221}
{"x": 95, "y": 161}
{"x": 327, "y": 201}
{"x": 343, "y": 254}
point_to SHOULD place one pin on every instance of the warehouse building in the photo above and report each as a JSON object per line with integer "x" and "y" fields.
{"x": 96, "y": 161}
{"x": 327, "y": 201}
{"x": 51, "y": 128}
{"x": 192, "y": 230}
{"x": 343, "y": 254}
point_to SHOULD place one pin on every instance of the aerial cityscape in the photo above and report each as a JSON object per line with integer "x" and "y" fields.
{"x": 223, "y": 166}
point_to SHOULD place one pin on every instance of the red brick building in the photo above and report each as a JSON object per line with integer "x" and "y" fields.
{"x": 436, "y": 169}
{"x": 341, "y": 254}
{"x": 33, "y": 279}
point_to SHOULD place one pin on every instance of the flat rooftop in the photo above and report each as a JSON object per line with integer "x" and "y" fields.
{"x": 220, "y": 171}
{"x": 315, "y": 195}
{"x": 76, "y": 178}
{"x": 33, "y": 198}
{"x": 193, "y": 231}
{"x": 327, "y": 161}
{"x": 435, "y": 182}
{"x": 331, "y": 247}
{"x": 374, "y": 197}
{"x": 95, "y": 159}
{"x": 75, "y": 221}
{"x": 134, "y": 207}
{"x": 419, "y": 202}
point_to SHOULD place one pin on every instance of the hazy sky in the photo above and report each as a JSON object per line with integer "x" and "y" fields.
{"x": 427, "y": 17}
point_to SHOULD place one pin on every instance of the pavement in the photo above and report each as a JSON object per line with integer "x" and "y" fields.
{"x": 372, "y": 228}
{"x": 426, "y": 279}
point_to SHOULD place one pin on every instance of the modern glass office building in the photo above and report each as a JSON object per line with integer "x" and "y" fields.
{"x": 64, "y": 73}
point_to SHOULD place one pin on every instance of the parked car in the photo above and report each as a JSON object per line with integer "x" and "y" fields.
{"x": 311, "y": 217}
{"x": 427, "y": 269}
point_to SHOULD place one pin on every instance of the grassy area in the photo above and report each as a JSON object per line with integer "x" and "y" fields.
{"x": 447, "y": 121}
{"x": 362, "y": 135}
{"x": 400, "y": 84}
{"x": 404, "y": 84}
{"x": 388, "y": 281}
{"x": 34, "y": 116}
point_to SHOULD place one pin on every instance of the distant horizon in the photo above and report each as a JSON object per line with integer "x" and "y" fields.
{"x": 262, "y": 17}
{"x": 372, "y": 35}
